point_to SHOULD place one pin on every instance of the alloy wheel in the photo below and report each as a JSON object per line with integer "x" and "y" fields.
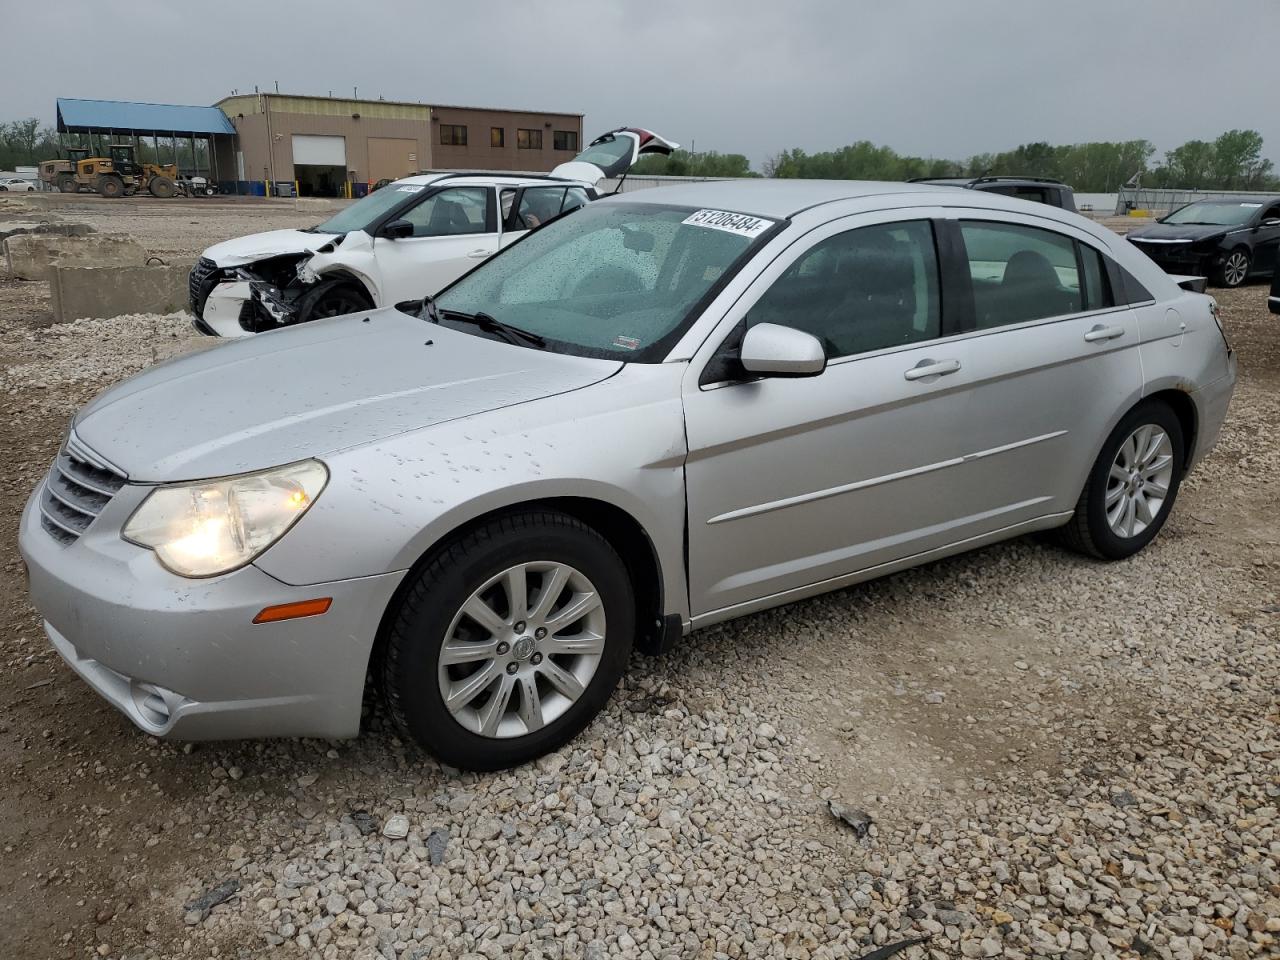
{"x": 1235, "y": 269}
{"x": 1139, "y": 480}
{"x": 522, "y": 649}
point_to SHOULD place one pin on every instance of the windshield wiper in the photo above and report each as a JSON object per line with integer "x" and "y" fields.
{"x": 428, "y": 311}
{"x": 491, "y": 324}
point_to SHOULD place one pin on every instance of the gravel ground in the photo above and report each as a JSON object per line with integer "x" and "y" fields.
{"x": 1034, "y": 755}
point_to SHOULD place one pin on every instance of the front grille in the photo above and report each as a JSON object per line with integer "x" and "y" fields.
{"x": 79, "y": 485}
{"x": 200, "y": 283}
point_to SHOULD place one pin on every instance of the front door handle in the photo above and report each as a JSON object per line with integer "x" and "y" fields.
{"x": 932, "y": 368}
{"x": 1100, "y": 332}
{"x": 479, "y": 254}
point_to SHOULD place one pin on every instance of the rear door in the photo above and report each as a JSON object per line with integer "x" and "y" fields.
{"x": 1266, "y": 247}
{"x": 454, "y": 229}
{"x": 1052, "y": 362}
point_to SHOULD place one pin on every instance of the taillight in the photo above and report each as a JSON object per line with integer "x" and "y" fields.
{"x": 1217, "y": 318}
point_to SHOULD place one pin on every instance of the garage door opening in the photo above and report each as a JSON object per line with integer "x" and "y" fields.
{"x": 319, "y": 181}
{"x": 319, "y": 165}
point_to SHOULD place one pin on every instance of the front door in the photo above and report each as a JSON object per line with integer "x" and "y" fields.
{"x": 1266, "y": 247}
{"x": 792, "y": 482}
{"x": 454, "y": 229}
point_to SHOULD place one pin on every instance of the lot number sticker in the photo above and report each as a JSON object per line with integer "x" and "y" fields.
{"x": 739, "y": 223}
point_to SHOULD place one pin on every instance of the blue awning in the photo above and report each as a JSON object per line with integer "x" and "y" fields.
{"x": 120, "y": 116}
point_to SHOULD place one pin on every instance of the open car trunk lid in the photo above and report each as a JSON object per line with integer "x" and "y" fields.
{"x": 613, "y": 154}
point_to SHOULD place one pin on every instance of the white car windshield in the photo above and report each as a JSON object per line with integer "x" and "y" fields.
{"x": 370, "y": 209}
{"x": 618, "y": 280}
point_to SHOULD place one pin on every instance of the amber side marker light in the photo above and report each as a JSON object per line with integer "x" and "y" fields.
{"x": 292, "y": 611}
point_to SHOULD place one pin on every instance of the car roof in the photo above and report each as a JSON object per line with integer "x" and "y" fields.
{"x": 782, "y": 198}
{"x": 500, "y": 179}
{"x": 1238, "y": 198}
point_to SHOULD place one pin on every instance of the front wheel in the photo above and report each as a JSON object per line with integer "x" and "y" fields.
{"x": 111, "y": 187}
{"x": 509, "y": 641}
{"x": 1132, "y": 485}
{"x": 332, "y": 298}
{"x": 1234, "y": 270}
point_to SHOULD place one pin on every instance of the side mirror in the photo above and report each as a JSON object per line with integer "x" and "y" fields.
{"x": 396, "y": 230}
{"x": 1271, "y": 222}
{"x": 772, "y": 350}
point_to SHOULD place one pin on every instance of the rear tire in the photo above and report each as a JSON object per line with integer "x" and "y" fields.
{"x": 111, "y": 187}
{"x": 67, "y": 184}
{"x": 516, "y": 693}
{"x": 1132, "y": 486}
{"x": 1234, "y": 270}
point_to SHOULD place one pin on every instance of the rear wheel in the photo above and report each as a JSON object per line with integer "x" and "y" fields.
{"x": 162, "y": 187}
{"x": 509, "y": 641}
{"x": 67, "y": 183}
{"x": 111, "y": 187}
{"x": 1132, "y": 485}
{"x": 1234, "y": 269}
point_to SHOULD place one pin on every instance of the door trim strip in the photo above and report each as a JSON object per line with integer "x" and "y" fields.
{"x": 785, "y": 502}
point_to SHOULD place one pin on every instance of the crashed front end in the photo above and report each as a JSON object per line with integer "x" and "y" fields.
{"x": 242, "y": 300}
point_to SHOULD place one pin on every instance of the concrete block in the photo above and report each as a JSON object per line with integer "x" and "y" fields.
{"x": 30, "y": 256}
{"x": 12, "y": 228}
{"x": 100, "y": 292}
{"x": 312, "y": 204}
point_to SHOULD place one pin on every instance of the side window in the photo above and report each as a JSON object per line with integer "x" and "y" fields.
{"x": 450, "y": 213}
{"x": 1273, "y": 213}
{"x": 574, "y": 198}
{"x": 1020, "y": 273}
{"x": 537, "y": 206}
{"x": 1097, "y": 290}
{"x": 866, "y": 289}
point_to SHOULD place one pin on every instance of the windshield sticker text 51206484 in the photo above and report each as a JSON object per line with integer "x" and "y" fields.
{"x": 739, "y": 223}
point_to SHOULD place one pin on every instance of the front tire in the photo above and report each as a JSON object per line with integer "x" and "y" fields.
{"x": 1132, "y": 486}
{"x": 111, "y": 187}
{"x": 332, "y": 298}
{"x": 509, "y": 640}
{"x": 1234, "y": 269}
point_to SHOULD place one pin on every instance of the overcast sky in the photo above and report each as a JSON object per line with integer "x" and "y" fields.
{"x": 927, "y": 77}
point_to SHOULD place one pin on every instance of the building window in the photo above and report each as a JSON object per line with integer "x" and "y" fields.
{"x": 529, "y": 139}
{"x": 565, "y": 140}
{"x": 497, "y": 137}
{"x": 453, "y": 135}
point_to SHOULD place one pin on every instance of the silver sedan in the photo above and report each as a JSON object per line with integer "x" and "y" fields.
{"x": 662, "y": 411}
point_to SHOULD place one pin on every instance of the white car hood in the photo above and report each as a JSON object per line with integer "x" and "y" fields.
{"x": 259, "y": 246}
{"x": 313, "y": 389}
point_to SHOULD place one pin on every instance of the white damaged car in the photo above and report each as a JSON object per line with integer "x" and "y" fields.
{"x": 409, "y": 239}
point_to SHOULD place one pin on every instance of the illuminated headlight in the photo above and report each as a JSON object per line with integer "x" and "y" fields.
{"x": 204, "y": 529}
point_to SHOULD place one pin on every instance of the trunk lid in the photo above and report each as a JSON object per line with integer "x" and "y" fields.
{"x": 612, "y": 154}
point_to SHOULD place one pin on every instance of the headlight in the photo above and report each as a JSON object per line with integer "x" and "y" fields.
{"x": 203, "y": 529}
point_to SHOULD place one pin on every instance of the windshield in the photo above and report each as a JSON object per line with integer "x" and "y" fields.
{"x": 370, "y": 208}
{"x": 1218, "y": 213}
{"x": 617, "y": 280}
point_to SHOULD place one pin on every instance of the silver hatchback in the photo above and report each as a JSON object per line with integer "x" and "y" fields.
{"x": 662, "y": 411}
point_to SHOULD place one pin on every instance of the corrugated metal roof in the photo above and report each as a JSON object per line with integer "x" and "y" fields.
{"x": 121, "y": 115}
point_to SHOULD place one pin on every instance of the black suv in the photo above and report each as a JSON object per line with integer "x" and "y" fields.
{"x": 1040, "y": 189}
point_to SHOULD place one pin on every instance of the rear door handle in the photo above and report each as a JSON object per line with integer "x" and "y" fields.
{"x": 1103, "y": 333}
{"x": 479, "y": 254}
{"x": 932, "y": 368}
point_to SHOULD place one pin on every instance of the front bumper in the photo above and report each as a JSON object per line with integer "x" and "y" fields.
{"x": 181, "y": 658}
{"x": 1181, "y": 258}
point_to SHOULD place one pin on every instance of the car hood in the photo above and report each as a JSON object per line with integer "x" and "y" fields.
{"x": 260, "y": 246}
{"x": 1178, "y": 231}
{"x": 313, "y": 389}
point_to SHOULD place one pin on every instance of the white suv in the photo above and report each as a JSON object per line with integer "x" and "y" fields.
{"x": 411, "y": 238}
